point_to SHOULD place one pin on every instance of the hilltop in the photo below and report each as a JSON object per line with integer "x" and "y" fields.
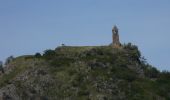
{"x": 84, "y": 73}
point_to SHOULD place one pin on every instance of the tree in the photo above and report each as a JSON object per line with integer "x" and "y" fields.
{"x": 62, "y": 44}
{"x": 1, "y": 67}
{"x": 150, "y": 71}
{"x": 48, "y": 54}
{"x": 37, "y": 55}
{"x": 133, "y": 50}
{"x": 9, "y": 59}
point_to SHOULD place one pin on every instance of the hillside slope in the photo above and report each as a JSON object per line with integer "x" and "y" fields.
{"x": 84, "y": 73}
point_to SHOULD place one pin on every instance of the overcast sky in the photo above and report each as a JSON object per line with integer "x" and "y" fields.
{"x": 30, "y": 26}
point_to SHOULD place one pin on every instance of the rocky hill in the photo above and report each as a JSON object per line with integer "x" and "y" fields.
{"x": 84, "y": 73}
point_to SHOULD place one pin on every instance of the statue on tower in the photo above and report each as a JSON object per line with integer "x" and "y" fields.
{"x": 115, "y": 37}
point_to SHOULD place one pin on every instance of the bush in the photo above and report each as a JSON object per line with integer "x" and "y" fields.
{"x": 150, "y": 71}
{"x": 134, "y": 52}
{"x": 1, "y": 64}
{"x": 49, "y": 54}
{"x": 127, "y": 75}
{"x": 1, "y": 67}
{"x": 9, "y": 59}
{"x": 164, "y": 75}
{"x": 61, "y": 61}
{"x": 37, "y": 55}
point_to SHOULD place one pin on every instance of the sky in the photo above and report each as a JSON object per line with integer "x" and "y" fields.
{"x": 30, "y": 26}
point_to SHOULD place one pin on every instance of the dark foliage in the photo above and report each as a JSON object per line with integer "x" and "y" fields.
{"x": 1, "y": 67}
{"x": 150, "y": 72}
{"x": 49, "y": 54}
{"x": 37, "y": 55}
{"x": 9, "y": 59}
{"x": 135, "y": 54}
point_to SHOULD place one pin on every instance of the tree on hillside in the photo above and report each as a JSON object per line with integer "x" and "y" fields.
{"x": 37, "y": 55}
{"x": 8, "y": 60}
{"x": 48, "y": 54}
{"x": 1, "y": 67}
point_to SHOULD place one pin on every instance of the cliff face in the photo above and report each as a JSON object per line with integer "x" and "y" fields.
{"x": 84, "y": 73}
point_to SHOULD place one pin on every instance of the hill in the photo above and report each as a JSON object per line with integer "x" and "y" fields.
{"x": 84, "y": 73}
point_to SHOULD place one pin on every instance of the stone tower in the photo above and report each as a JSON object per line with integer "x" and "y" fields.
{"x": 115, "y": 37}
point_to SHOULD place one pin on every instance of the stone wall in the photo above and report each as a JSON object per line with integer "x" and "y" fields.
{"x": 115, "y": 37}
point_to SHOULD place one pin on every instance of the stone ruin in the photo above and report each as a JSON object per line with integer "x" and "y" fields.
{"x": 115, "y": 37}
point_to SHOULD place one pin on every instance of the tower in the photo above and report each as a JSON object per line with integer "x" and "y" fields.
{"x": 115, "y": 37}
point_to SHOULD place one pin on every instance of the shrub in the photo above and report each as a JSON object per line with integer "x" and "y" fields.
{"x": 1, "y": 67}
{"x": 49, "y": 54}
{"x": 150, "y": 71}
{"x": 127, "y": 75}
{"x": 9, "y": 59}
{"x": 133, "y": 51}
{"x": 37, "y": 55}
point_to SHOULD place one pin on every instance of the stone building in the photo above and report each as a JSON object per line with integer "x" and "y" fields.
{"x": 115, "y": 37}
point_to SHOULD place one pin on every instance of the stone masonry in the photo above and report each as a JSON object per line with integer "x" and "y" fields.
{"x": 115, "y": 37}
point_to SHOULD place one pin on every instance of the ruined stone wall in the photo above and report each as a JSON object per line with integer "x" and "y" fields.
{"x": 115, "y": 37}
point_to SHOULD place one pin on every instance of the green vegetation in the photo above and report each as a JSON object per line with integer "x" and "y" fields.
{"x": 88, "y": 73}
{"x": 1, "y": 67}
{"x": 37, "y": 55}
